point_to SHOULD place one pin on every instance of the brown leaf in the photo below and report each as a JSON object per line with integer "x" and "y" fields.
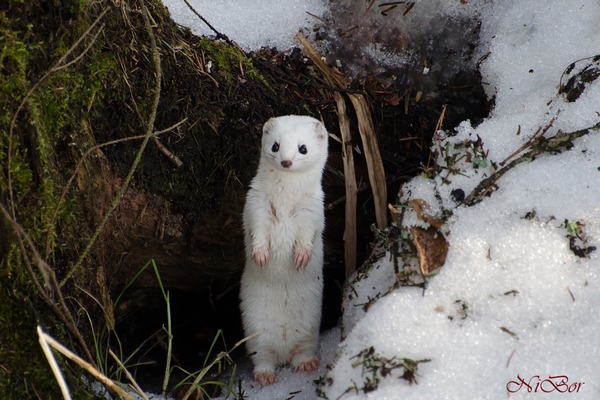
{"x": 424, "y": 213}
{"x": 432, "y": 248}
{"x": 396, "y": 214}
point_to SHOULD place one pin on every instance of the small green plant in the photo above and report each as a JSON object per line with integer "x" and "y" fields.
{"x": 199, "y": 382}
{"x": 107, "y": 335}
{"x": 577, "y": 239}
{"x": 375, "y": 367}
{"x": 107, "y": 373}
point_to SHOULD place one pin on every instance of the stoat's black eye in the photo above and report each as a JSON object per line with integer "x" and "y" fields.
{"x": 302, "y": 149}
{"x": 275, "y": 147}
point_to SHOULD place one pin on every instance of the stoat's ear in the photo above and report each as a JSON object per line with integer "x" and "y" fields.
{"x": 269, "y": 125}
{"x": 320, "y": 130}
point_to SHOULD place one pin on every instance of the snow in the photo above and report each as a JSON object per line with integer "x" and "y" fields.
{"x": 250, "y": 23}
{"x": 290, "y": 385}
{"x": 512, "y": 300}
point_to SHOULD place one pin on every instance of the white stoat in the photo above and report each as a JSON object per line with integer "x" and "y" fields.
{"x": 282, "y": 283}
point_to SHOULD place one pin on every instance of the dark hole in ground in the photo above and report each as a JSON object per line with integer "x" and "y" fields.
{"x": 196, "y": 319}
{"x": 197, "y": 316}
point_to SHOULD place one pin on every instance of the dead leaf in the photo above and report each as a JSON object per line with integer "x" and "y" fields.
{"x": 424, "y": 213}
{"x": 418, "y": 96}
{"x": 395, "y": 213}
{"x": 432, "y": 248}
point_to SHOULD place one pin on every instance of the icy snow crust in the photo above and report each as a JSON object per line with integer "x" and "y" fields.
{"x": 512, "y": 300}
{"x": 250, "y": 23}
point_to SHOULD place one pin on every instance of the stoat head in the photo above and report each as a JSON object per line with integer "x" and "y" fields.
{"x": 294, "y": 143}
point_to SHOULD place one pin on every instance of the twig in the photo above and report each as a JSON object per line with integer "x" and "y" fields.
{"x": 510, "y": 357}
{"x": 133, "y": 382}
{"x": 42, "y": 266}
{"x": 83, "y": 53}
{"x": 350, "y": 182}
{"x": 366, "y": 129}
{"x": 156, "y": 133}
{"x": 138, "y": 157}
{"x": 533, "y": 140}
{"x": 409, "y": 7}
{"x": 219, "y": 34}
{"x": 51, "y": 283}
{"x": 338, "y": 89}
{"x": 83, "y": 364}
{"x": 555, "y": 143}
{"x": 80, "y": 163}
{"x": 570, "y": 293}
{"x": 323, "y": 20}
{"x": 174, "y": 159}
{"x": 170, "y": 355}
{"x": 369, "y": 7}
{"x": 53, "y": 364}
{"x": 349, "y": 177}
{"x": 440, "y": 121}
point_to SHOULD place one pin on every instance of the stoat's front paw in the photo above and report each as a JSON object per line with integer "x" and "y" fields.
{"x": 301, "y": 255}
{"x": 265, "y": 378}
{"x": 260, "y": 255}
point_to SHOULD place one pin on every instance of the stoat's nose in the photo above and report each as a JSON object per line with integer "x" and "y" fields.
{"x": 286, "y": 163}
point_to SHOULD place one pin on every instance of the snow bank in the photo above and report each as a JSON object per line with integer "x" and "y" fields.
{"x": 250, "y": 23}
{"x": 513, "y": 305}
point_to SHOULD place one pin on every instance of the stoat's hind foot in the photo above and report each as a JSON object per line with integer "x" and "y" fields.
{"x": 265, "y": 378}
{"x": 309, "y": 365}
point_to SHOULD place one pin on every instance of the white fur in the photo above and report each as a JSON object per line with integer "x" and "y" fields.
{"x": 283, "y": 224}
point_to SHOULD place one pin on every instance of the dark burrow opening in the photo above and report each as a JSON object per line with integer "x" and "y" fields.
{"x": 198, "y": 316}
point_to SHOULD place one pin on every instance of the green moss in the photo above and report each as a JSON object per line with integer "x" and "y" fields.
{"x": 11, "y": 3}
{"x": 228, "y": 57}
{"x": 21, "y": 376}
{"x": 14, "y": 59}
{"x": 48, "y": 127}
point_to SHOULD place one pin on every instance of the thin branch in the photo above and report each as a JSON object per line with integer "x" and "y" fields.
{"x": 350, "y": 184}
{"x": 537, "y": 136}
{"x": 338, "y": 89}
{"x": 53, "y": 364}
{"x": 366, "y": 130}
{"x": 83, "y": 364}
{"x": 138, "y": 157}
{"x": 50, "y": 283}
{"x": 83, "y": 53}
{"x": 156, "y": 133}
{"x": 133, "y": 382}
{"x": 42, "y": 266}
{"x": 217, "y": 33}
{"x": 174, "y": 159}
{"x": 80, "y": 163}
{"x": 556, "y": 143}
